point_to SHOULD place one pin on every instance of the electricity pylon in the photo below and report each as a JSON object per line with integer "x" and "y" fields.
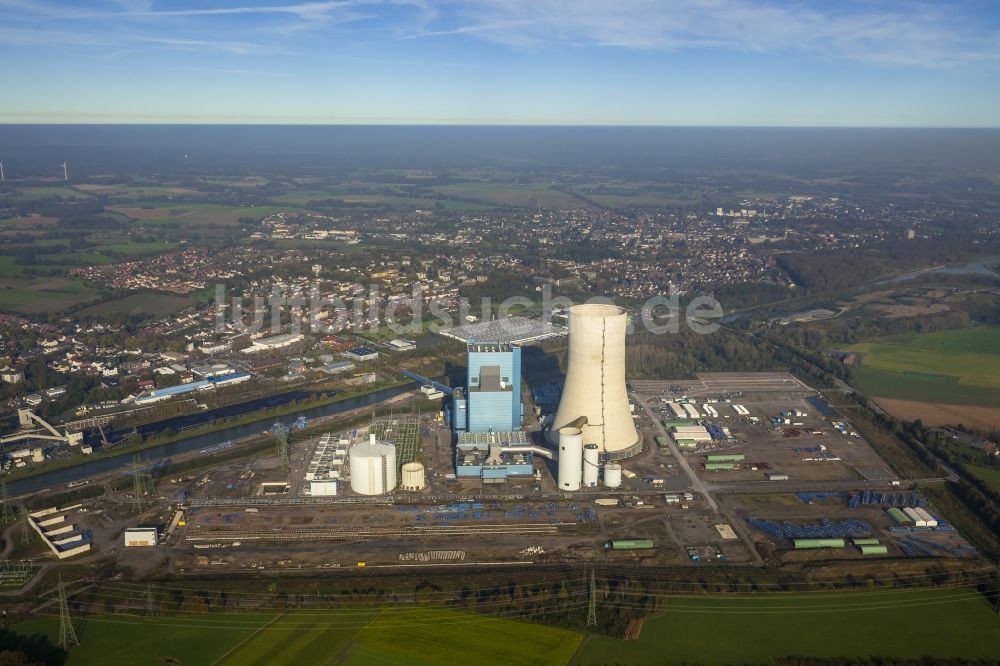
{"x": 67, "y": 635}
{"x": 283, "y": 448}
{"x": 592, "y": 605}
{"x": 6, "y": 513}
{"x": 142, "y": 482}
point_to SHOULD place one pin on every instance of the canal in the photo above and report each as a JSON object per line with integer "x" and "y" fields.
{"x": 57, "y": 479}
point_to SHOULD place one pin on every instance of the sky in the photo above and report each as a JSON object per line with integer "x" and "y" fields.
{"x": 861, "y": 63}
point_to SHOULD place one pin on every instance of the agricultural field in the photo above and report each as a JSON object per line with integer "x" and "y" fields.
{"x": 720, "y": 629}
{"x": 990, "y": 475}
{"x": 158, "y": 305}
{"x": 940, "y": 413}
{"x": 512, "y": 194}
{"x": 970, "y": 356}
{"x": 38, "y": 193}
{"x": 197, "y": 215}
{"x": 418, "y": 636}
{"x": 298, "y": 637}
{"x": 123, "y": 191}
{"x": 187, "y": 639}
{"x": 934, "y": 376}
{"x": 42, "y": 295}
{"x": 438, "y": 636}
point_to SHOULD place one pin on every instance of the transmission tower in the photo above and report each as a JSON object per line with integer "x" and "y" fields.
{"x": 6, "y": 513}
{"x": 592, "y": 606}
{"x": 283, "y": 448}
{"x": 142, "y": 483}
{"x": 26, "y": 531}
{"x": 150, "y": 608}
{"x": 67, "y": 635}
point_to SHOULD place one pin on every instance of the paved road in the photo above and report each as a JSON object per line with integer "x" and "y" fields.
{"x": 696, "y": 483}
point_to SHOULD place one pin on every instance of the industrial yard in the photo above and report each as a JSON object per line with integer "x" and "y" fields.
{"x": 734, "y": 468}
{"x": 738, "y": 472}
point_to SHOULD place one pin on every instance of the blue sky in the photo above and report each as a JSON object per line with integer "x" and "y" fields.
{"x": 643, "y": 62}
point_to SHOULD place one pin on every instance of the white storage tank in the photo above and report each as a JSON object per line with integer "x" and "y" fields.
{"x": 413, "y": 477}
{"x": 373, "y": 468}
{"x": 570, "y": 458}
{"x": 38, "y": 455}
{"x": 613, "y": 475}
{"x": 591, "y": 465}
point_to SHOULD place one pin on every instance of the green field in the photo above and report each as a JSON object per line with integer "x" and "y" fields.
{"x": 135, "y": 248}
{"x": 43, "y": 294}
{"x": 905, "y": 624}
{"x": 990, "y": 475}
{"x": 437, "y": 636}
{"x": 418, "y": 636}
{"x": 38, "y": 193}
{"x": 298, "y": 637}
{"x": 959, "y": 367}
{"x": 512, "y": 194}
{"x": 157, "y": 305}
{"x": 922, "y": 388}
{"x": 132, "y": 641}
{"x": 194, "y": 214}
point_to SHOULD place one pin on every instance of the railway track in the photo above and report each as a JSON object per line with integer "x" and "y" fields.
{"x": 312, "y": 534}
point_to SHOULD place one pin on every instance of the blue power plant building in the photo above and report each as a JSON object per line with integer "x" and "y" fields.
{"x": 493, "y": 390}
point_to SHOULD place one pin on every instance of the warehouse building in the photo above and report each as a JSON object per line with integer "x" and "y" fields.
{"x": 274, "y": 342}
{"x": 690, "y": 435}
{"x": 204, "y": 385}
{"x": 141, "y": 537}
{"x": 361, "y": 354}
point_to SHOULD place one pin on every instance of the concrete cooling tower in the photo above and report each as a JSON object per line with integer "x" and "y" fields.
{"x": 595, "y": 382}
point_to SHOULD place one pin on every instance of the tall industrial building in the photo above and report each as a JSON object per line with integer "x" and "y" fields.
{"x": 493, "y": 391}
{"x": 594, "y": 398}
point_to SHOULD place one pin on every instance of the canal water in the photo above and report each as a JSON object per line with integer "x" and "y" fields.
{"x": 57, "y": 479}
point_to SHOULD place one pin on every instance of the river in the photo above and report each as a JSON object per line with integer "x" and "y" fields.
{"x": 57, "y": 479}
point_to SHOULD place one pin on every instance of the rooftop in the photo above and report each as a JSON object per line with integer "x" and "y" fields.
{"x": 508, "y": 330}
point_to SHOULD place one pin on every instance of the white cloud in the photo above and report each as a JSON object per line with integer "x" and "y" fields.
{"x": 909, "y": 34}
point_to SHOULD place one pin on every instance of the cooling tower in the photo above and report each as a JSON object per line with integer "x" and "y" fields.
{"x": 570, "y": 458}
{"x": 595, "y": 382}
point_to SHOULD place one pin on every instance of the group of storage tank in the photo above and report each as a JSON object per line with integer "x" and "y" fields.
{"x": 579, "y": 465}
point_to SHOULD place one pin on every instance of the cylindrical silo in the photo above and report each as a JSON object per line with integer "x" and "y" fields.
{"x": 570, "y": 458}
{"x": 413, "y": 476}
{"x": 595, "y": 381}
{"x": 613, "y": 475}
{"x": 373, "y": 468}
{"x": 591, "y": 465}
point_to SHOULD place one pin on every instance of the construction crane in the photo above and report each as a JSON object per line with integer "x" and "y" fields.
{"x": 43, "y": 430}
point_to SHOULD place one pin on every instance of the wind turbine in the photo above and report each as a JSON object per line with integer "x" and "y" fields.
{"x": 65, "y": 171}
